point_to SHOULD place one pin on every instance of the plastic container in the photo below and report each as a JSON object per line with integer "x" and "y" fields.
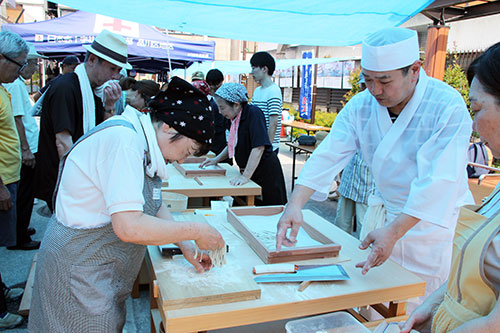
{"x": 175, "y": 202}
{"x": 337, "y": 322}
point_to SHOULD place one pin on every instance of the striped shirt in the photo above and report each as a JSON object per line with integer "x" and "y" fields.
{"x": 357, "y": 182}
{"x": 269, "y": 100}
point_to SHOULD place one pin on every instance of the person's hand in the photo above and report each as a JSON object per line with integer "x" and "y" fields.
{"x": 209, "y": 238}
{"x": 5, "y": 200}
{"x": 420, "y": 319}
{"x": 28, "y": 158}
{"x": 382, "y": 242}
{"x": 207, "y": 162}
{"x": 111, "y": 94}
{"x": 202, "y": 263}
{"x": 240, "y": 180}
{"x": 291, "y": 219}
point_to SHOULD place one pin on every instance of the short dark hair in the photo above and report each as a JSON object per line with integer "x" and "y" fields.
{"x": 263, "y": 59}
{"x": 87, "y": 56}
{"x": 486, "y": 68}
{"x": 406, "y": 69}
{"x": 147, "y": 88}
{"x": 214, "y": 77}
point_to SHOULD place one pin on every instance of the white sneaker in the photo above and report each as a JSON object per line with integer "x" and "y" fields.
{"x": 13, "y": 293}
{"x": 10, "y": 320}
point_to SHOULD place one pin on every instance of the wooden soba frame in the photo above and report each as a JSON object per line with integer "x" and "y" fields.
{"x": 186, "y": 171}
{"x": 327, "y": 250}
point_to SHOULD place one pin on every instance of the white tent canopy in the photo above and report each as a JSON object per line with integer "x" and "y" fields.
{"x": 312, "y": 22}
{"x": 236, "y": 67}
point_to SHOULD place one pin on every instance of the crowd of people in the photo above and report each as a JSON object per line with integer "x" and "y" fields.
{"x": 104, "y": 141}
{"x": 101, "y": 180}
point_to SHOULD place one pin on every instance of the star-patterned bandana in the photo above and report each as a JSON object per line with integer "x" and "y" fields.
{"x": 186, "y": 109}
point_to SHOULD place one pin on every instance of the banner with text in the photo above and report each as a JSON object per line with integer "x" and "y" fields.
{"x": 305, "y": 101}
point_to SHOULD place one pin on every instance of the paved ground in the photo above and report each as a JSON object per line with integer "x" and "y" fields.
{"x": 15, "y": 265}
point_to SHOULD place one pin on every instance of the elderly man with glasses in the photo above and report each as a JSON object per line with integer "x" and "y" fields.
{"x": 13, "y": 53}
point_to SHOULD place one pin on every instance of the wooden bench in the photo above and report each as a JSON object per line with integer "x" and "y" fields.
{"x": 24, "y": 306}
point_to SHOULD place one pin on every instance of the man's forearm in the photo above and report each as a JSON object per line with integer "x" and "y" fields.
{"x": 300, "y": 196}
{"x": 22, "y": 133}
{"x": 273, "y": 124}
{"x": 402, "y": 224}
{"x": 63, "y": 143}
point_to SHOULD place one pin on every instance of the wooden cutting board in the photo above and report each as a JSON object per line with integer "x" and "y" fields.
{"x": 188, "y": 288}
{"x": 181, "y": 286}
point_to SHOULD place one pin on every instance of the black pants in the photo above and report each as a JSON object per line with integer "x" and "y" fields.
{"x": 25, "y": 198}
{"x": 3, "y": 303}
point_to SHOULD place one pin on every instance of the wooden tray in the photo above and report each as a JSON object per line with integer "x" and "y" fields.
{"x": 328, "y": 250}
{"x": 216, "y": 171}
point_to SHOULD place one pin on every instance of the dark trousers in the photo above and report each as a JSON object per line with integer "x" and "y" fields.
{"x": 3, "y": 303}
{"x": 8, "y": 219}
{"x": 25, "y": 198}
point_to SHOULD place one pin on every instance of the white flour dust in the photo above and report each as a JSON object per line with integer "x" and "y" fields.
{"x": 183, "y": 273}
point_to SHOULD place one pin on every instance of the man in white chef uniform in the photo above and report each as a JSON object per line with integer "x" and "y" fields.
{"x": 413, "y": 132}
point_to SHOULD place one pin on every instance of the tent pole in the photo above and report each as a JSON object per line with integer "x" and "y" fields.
{"x": 168, "y": 52}
{"x": 43, "y": 73}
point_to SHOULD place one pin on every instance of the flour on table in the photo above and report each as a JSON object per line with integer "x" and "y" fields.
{"x": 184, "y": 273}
{"x": 264, "y": 229}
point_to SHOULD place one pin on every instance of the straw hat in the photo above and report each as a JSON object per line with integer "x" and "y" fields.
{"x": 110, "y": 47}
{"x": 32, "y": 54}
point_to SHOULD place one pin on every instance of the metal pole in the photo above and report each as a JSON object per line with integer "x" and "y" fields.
{"x": 313, "y": 104}
{"x": 168, "y": 54}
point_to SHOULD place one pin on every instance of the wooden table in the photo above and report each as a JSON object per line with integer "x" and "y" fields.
{"x": 304, "y": 126}
{"x": 482, "y": 190}
{"x": 280, "y": 301}
{"x": 213, "y": 186}
{"x": 297, "y": 149}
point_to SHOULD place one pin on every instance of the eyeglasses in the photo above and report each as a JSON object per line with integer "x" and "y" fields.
{"x": 21, "y": 66}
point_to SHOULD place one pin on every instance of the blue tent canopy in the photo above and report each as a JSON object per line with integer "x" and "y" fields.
{"x": 66, "y": 35}
{"x": 311, "y": 22}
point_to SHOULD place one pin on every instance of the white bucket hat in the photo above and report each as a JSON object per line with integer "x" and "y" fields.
{"x": 32, "y": 54}
{"x": 390, "y": 49}
{"x": 110, "y": 47}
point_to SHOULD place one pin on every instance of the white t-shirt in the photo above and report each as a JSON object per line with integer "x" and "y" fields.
{"x": 103, "y": 174}
{"x": 269, "y": 100}
{"x": 21, "y": 105}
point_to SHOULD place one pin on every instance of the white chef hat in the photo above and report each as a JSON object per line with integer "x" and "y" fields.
{"x": 390, "y": 49}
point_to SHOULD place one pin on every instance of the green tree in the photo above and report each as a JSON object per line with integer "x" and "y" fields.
{"x": 456, "y": 77}
{"x": 354, "y": 81}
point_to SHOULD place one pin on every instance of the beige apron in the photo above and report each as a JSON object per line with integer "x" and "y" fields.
{"x": 84, "y": 276}
{"x": 469, "y": 295}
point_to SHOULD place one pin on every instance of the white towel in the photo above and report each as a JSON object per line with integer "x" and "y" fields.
{"x": 374, "y": 217}
{"x": 87, "y": 98}
{"x": 99, "y": 91}
{"x": 156, "y": 165}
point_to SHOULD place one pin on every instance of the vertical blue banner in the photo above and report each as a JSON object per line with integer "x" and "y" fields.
{"x": 305, "y": 101}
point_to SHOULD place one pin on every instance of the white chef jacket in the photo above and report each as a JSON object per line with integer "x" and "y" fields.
{"x": 418, "y": 164}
